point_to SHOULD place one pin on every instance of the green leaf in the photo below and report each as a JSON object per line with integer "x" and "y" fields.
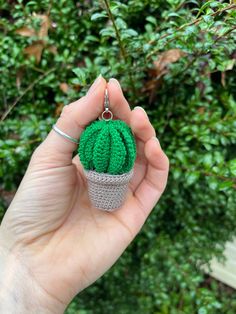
{"x": 120, "y": 23}
{"x": 207, "y": 18}
{"x": 190, "y": 30}
{"x": 208, "y": 160}
{"x": 152, "y": 20}
{"x": 177, "y": 173}
{"x": 225, "y": 185}
{"x": 107, "y": 32}
{"x": 173, "y": 14}
{"x": 75, "y": 81}
{"x": 81, "y": 75}
{"x": 97, "y": 16}
{"x": 211, "y": 4}
{"x": 192, "y": 177}
{"x": 131, "y": 32}
{"x": 232, "y": 167}
{"x": 202, "y": 310}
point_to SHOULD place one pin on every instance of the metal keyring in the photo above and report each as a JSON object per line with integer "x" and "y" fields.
{"x": 106, "y": 106}
{"x": 107, "y": 112}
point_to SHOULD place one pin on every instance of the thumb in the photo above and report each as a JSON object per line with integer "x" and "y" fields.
{"x": 56, "y": 150}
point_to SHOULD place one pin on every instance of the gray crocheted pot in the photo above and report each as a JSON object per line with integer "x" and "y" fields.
{"x": 107, "y": 191}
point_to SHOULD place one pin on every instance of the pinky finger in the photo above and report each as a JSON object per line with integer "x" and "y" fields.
{"x": 151, "y": 188}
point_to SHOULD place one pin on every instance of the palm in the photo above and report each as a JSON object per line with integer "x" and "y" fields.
{"x": 67, "y": 243}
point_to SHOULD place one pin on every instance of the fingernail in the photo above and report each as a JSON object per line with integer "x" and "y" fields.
{"x": 139, "y": 107}
{"x": 95, "y": 84}
{"x": 115, "y": 81}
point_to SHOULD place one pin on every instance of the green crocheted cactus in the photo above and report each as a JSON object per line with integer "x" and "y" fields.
{"x": 107, "y": 147}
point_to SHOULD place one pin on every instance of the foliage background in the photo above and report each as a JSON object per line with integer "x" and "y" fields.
{"x": 177, "y": 60}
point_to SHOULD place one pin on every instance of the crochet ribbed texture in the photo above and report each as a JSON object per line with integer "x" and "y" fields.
{"x": 107, "y": 191}
{"x": 107, "y": 147}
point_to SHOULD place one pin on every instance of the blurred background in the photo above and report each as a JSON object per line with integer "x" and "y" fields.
{"x": 176, "y": 59}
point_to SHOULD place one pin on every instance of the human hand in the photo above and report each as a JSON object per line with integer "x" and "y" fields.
{"x": 51, "y": 238}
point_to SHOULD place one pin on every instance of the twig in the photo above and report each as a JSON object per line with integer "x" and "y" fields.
{"x": 123, "y": 52}
{"x": 30, "y": 87}
{"x": 49, "y": 8}
{"x": 225, "y": 33}
{"x": 4, "y": 99}
{"x": 37, "y": 69}
{"x": 196, "y": 21}
{"x": 226, "y": 179}
{"x": 201, "y": 18}
{"x": 118, "y": 37}
{"x": 209, "y": 174}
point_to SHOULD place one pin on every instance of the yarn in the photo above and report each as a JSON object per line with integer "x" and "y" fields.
{"x": 107, "y": 191}
{"x": 107, "y": 147}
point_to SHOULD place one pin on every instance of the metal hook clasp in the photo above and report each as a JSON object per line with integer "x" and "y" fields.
{"x": 107, "y": 114}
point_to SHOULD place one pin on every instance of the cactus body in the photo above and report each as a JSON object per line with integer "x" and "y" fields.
{"x": 107, "y": 147}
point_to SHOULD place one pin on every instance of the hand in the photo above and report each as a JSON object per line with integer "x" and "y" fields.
{"x": 52, "y": 231}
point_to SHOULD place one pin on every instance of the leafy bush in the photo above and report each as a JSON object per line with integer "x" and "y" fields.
{"x": 176, "y": 59}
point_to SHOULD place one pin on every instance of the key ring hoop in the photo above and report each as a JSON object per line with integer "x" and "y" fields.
{"x": 107, "y": 111}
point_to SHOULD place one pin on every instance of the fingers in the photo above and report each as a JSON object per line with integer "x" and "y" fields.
{"x": 72, "y": 121}
{"x": 143, "y": 131}
{"x": 150, "y": 174}
{"x": 140, "y": 124}
{"x": 118, "y": 104}
{"x": 76, "y": 161}
{"x": 78, "y": 114}
{"x": 152, "y": 179}
{"x": 152, "y": 186}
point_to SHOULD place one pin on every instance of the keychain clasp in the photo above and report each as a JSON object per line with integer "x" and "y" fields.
{"x": 107, "y": 111}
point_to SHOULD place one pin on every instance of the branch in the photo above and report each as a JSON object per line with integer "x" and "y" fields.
{"x": 118, "y": 37}
{"x": 209, "y": 174}
{"x": 196, "y": 21}
{"x": 30, "y": 87}
{"x": 225, "y": 33}
{"x": 111, "y": 17}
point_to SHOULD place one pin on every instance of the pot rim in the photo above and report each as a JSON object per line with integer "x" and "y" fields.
{"x": 107, "y": 178}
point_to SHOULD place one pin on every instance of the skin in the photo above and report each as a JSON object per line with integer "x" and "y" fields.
{"x": 53, "y": 243}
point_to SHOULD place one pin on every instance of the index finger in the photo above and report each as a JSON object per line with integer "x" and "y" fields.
{"x": 118, "y": 104}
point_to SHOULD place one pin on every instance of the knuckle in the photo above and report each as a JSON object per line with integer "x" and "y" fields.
{"x": 166, "y": 160}
{"x": 41, "y": 156}
{"x": 36, "y": 154}
{"x": 66, "y": 110}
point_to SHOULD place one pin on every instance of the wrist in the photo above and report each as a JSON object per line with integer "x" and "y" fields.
{"x": 19, "y": 292}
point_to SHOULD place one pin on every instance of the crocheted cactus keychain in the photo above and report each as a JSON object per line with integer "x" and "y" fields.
{"x": 107, "y": 151}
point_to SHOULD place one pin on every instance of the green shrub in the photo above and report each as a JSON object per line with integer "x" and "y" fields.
{"x": 176, "y": 59}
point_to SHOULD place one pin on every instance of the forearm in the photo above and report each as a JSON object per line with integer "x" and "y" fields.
{"x": 19, "y": 293}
